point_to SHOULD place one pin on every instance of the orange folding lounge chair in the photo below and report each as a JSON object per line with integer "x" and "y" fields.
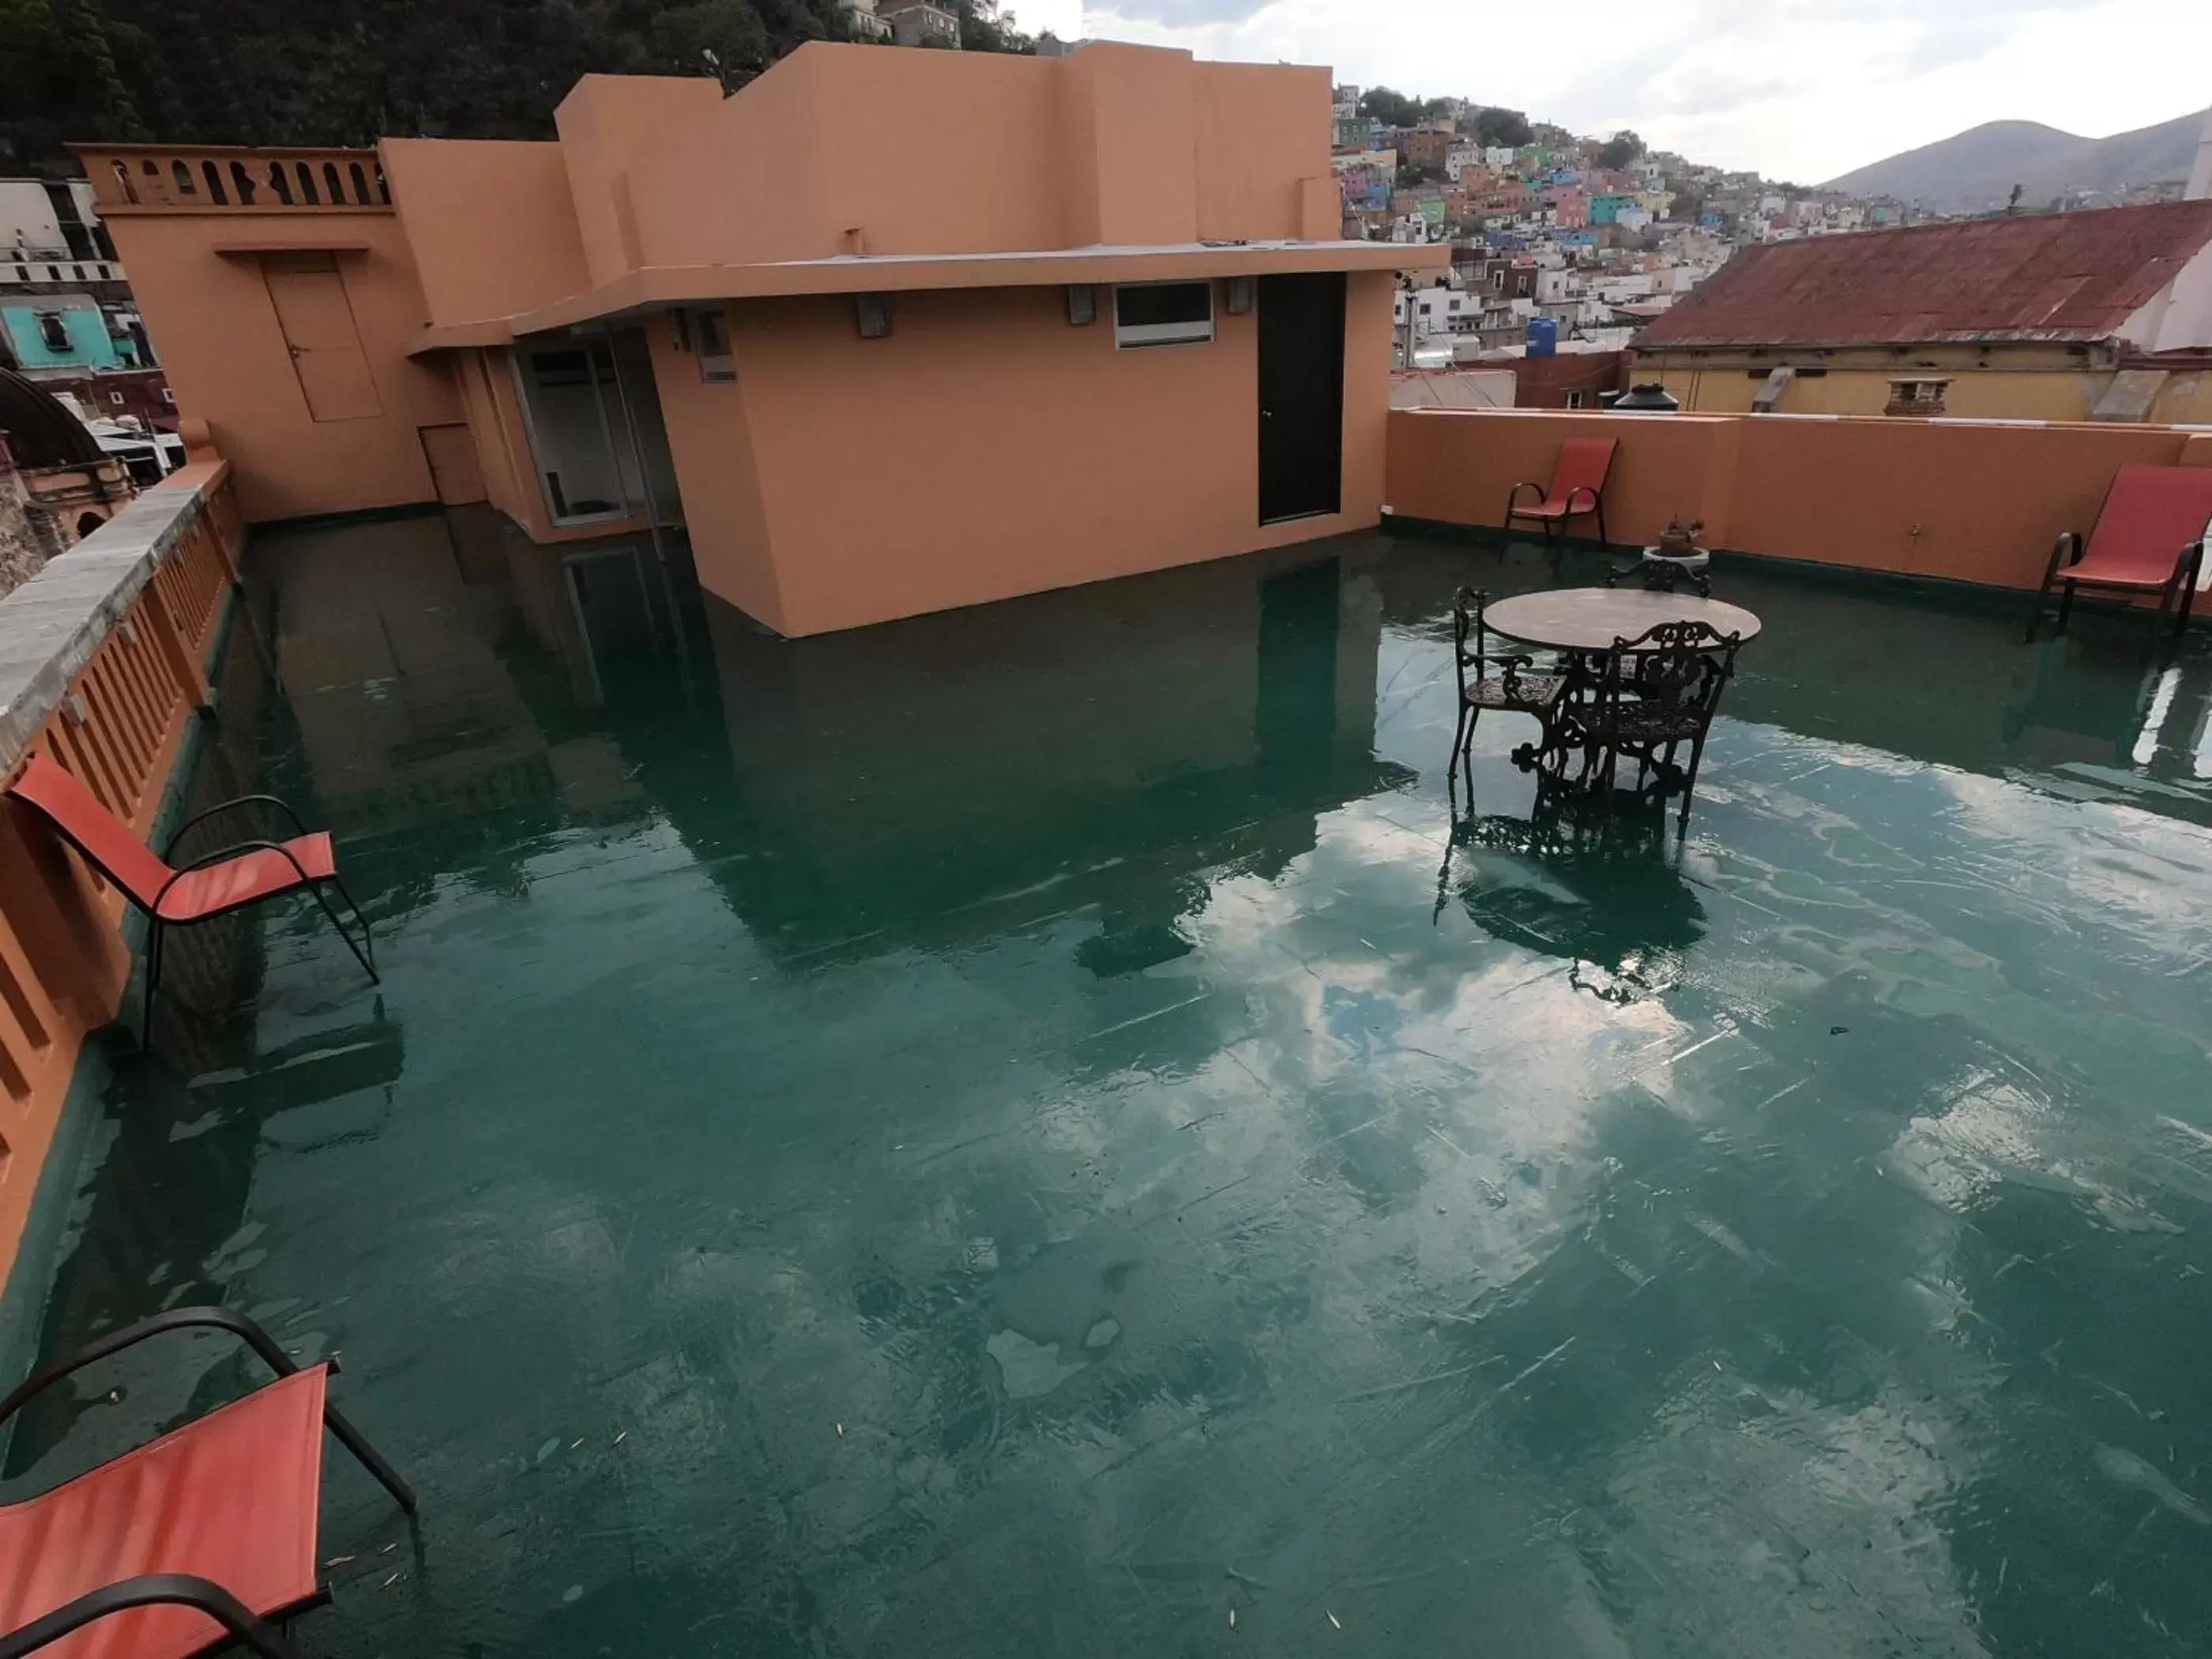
{"x": 2149, "y": 539}
{"x": 244, "y": 873}
{"x": 193, "y": 1542}
{"x": 1577, "y": 488}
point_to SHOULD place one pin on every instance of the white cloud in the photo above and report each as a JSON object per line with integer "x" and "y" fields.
{"x": 1801, "y": 89}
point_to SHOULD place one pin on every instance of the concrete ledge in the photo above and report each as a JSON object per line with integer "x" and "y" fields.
{"x": 50, "y": 626}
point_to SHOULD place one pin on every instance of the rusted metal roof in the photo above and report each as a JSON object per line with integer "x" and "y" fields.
{"x": 2062, "y": 277}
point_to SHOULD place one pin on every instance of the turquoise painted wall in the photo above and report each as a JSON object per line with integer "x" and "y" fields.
{"x": 90, "y": 346}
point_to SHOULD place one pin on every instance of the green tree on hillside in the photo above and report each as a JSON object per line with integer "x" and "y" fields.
{"x": 984, "y": 28}
{"x": 348, "y": 72}
{"x": 1506, "y": 128}
{"x": 1623, "y": 147}
{"x": 1391, "y": 108}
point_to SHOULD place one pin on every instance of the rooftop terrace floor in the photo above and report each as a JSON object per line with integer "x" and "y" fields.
{"x": 1007, "y": 1133}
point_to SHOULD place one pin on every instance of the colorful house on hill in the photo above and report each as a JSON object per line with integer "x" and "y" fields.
{"x": 1569, "y": 207}
{"x": 867, "y": 385}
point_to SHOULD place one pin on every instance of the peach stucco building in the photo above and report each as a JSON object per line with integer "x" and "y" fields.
{"x": 1033, "y": 322}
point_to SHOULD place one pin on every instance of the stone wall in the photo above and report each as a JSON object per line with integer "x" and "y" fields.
{"x": 46, "y": 511}
{"x": 21, "y": 554}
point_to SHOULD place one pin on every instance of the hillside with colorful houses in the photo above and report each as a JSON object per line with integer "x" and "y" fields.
{"x": 1561, "y": 245}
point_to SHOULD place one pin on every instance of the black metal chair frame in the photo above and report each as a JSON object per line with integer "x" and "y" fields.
{"x": 1515, "y": 511}
{"x": 1655, "y": 693}
{"x": 2188, "y": 571}
{"x": 1542, "y": 692}
{"x": 364, "y": 951}
{"x": 260, "y": 1635}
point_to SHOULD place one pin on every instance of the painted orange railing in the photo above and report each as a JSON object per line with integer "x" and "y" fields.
{"x": 225, "y": 177}
{"x": 103, "y": 662}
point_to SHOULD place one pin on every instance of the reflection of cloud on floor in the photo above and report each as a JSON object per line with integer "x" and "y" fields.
{"x": 1762, "y": 1521}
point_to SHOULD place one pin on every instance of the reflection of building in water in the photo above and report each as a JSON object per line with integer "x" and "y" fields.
{"x": 1091, "y": 750}
{"x": 385, "y": 650}
{"x": 388, "y": 645}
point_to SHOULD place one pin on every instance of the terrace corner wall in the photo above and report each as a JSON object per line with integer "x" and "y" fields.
{"x": 1976, "y": 502}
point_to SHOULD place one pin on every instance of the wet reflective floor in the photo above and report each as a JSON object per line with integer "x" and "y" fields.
{"x": 1029, "y": 1132}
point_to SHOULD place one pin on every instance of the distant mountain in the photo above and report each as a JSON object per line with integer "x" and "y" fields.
{"x": 1978, "y": 169}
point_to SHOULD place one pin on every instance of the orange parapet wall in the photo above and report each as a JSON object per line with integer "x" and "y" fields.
{"x": 1965, "y": 501}
{"x": 125, "y": 624}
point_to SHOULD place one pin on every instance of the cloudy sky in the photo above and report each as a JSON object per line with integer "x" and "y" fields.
{"x": 1799, "y": 89}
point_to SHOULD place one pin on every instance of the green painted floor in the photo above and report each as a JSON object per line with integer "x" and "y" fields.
{"x": 1009, "y": 1134}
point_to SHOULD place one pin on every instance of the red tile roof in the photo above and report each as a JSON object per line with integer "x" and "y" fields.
{"x": 2068, "y": 277}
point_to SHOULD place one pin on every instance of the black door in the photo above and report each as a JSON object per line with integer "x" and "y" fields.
{"x": 1301, "y": 395}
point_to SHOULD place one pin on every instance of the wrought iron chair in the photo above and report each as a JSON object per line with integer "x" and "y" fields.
{"x": 202, "y": 1539}
{"x": 1653, "y": 695}
{"x": 242, "y": 874}
{"x": 1511, "y": 683}
{"x": 1577, "y": 490}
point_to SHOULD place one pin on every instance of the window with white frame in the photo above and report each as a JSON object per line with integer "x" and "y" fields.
{"x": 1578, "y": 399}
{"x": 1163, "y": 314}
{"x": 1917, "y": 396}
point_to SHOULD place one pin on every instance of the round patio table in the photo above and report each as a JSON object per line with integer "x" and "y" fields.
{"x": 1589, "y": 619}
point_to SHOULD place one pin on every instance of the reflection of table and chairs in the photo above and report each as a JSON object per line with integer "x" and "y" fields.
{"x": 1602, "y": 893}
{"x": 1632, "y": 675}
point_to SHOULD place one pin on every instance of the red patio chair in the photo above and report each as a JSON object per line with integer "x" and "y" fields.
{"x": 2149, "y": 539}
{"x": 201, "y": 1539}
{"x": 1577, "y": 488}
{"x": 231, "y": 879}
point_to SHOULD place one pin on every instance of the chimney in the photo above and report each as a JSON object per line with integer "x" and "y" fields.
{"x": 2200, "y": 177}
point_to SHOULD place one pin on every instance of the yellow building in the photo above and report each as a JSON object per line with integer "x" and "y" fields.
{"x": 2096, "y": 316}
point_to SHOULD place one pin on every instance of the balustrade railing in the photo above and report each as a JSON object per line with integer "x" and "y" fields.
{"x": 216, "y": 178}
{"x": 103, "y": 660}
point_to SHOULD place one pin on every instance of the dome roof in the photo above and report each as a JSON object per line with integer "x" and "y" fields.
{"x": 39, "y": 428}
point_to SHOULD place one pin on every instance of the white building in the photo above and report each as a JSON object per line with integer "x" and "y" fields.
{"x": 50, "y": 234}
{"x": 51, "y": 241}
{"x": 861, "y": 19}
{"x": 1460, "y": 157}
{"x": 1556, "y": 286}
{"x": 1437, "y": 311}
{"x": 920, "y": 22}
